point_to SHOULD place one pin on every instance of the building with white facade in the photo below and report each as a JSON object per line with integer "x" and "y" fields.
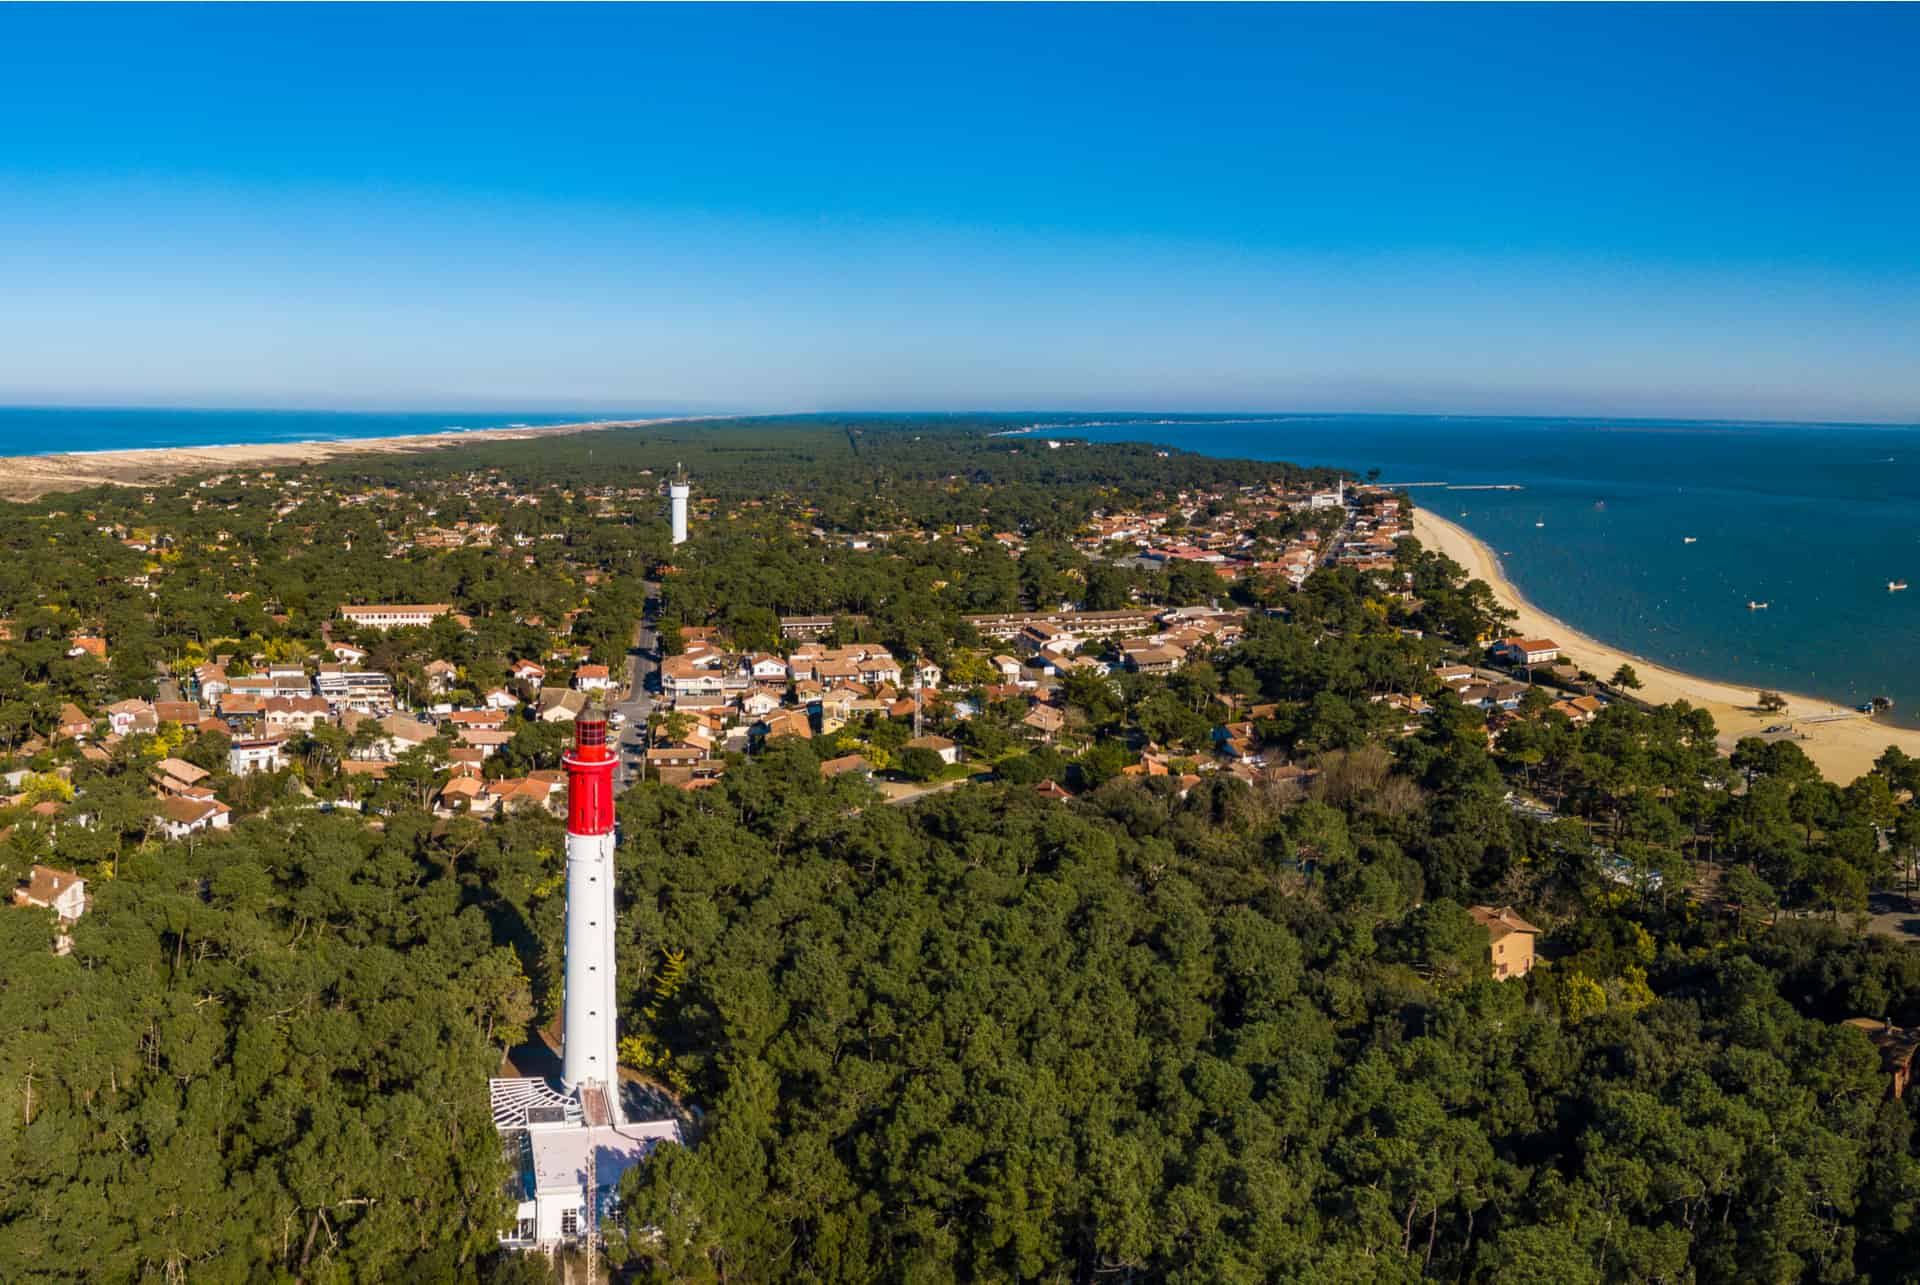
{"x": 388, "y": 615}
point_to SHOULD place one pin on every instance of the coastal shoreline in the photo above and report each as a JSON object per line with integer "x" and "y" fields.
{"x": 1844, "y": 747}
{"x": 28, "y": 477}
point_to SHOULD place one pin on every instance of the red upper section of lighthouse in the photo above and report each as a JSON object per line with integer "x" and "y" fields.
{"x": 589, "y": 776}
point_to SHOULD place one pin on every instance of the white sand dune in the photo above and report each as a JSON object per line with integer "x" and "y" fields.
{"x": 26, "y": 477}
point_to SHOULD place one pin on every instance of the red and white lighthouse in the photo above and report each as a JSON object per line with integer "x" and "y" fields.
{"x": 590, "y": 1041}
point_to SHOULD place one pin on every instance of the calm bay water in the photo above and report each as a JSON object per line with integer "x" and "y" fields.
{"x": 34, "y": 430}
{"x": 1812, "y": 519}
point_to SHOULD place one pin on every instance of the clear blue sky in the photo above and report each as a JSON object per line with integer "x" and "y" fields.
{"x": 1641, "y": 209}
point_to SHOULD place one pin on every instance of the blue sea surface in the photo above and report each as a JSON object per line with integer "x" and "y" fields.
{"x": 1812, "y": 519}
{"x": 37, "y": 430}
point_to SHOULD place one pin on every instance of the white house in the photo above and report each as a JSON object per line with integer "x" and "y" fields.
{"x": 592, "y": 678}
{"x": 213, "y": 683}
{"x": 501, "y": 699}
{"x": 295, "y": 713}
{"x": 940, "y": 745}
{"x": 759, "y": 704}
{"x": 249, "y": 754}
{"x": 180, "y": 817}
{"x": 62, "y": 891}
{"x": 130, "y": 716}
{"x": 1527, "y": 651}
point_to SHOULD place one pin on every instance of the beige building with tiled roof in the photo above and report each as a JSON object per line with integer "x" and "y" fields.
{"x": 1509, "y": 940}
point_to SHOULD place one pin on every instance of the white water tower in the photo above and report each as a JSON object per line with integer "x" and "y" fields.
{"x": 677, "y": 493}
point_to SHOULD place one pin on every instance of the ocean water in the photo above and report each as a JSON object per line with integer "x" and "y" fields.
{"x": 1812, "y": 519}
{"x": 33, "y": 430}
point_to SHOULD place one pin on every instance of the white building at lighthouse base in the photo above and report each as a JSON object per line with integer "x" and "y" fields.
{"x": 566, "y": 1159}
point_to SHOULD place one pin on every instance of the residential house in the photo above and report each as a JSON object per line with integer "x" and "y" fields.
{"x": 1047, "y": 720}
{"x": 184, "y": 713}
{"x": 947, "y": 751}
{"x": 665, "y": 756}
{"x": 129, "y": 717}
{"x": 73, "y": 725}
{"x": 398, "y": 734}
{"x": 1043, "y": 636}
{"x": 1509, "y": 939}
{"x": 1163, "y": 659}
{"x": 592, "y": 678}
{"x": 441, "y": 676}
{"x": 854, "y": 763}
{"x": 211, "y": 681}
{"x": 61, "y": 891}
{"x": 559, "y": 704}
{"x": 786, "y": 722}
{"x": 488, "y": 740}
{"x": 250, "y": 754}
{"x": 767, "y": 668}
{"x": 1898, "y": 1047}
{"x": 1491, "y": 696}
{"x": 1526, "y": 651}
{"x": 180, "y": 817}
{"x": 759, "y": 704}
{"x": 177, "y": 776}
{"x": 284, "y": 714}
{"x": 834, "y": 707}
{"x": 543, "y": 789}
{"x": 1579, "y": 709}
{"x": 464, "y": 793}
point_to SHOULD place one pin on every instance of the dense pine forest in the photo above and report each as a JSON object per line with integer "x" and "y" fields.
{"x": 1190, "y": 1026}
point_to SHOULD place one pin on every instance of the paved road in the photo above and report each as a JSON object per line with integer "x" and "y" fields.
{"x": 898, "y": 792}
{"x": 636, "y": 703}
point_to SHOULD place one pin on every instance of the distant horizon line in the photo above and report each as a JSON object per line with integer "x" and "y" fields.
{"x": 687, "y": 410}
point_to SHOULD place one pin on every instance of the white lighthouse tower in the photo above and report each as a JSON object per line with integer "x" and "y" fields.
{"x": 571, "y": 1130}
{"x": 677, "y": 493}
{"x": 590, "y": 1039}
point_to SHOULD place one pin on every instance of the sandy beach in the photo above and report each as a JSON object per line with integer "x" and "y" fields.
{"x": 27, "y": 477}
{"x": 1844, "y": 747}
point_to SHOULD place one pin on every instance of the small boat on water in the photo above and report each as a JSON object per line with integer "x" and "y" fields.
{"x": 1689, "y": 539}
{"x": 1895, "y": 586}
{"x": 1755, "y": 606}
